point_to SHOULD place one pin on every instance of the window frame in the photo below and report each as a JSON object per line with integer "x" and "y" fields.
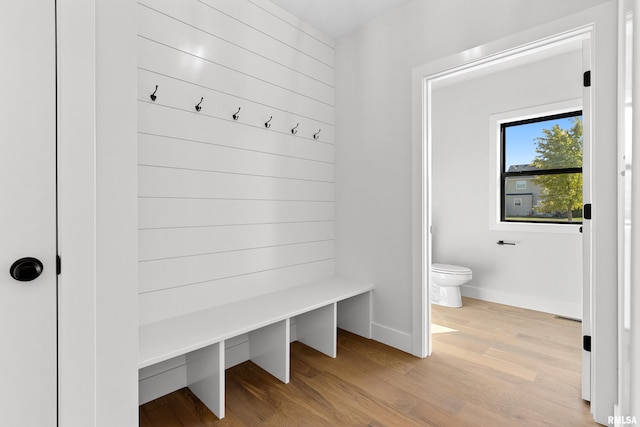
{"x": 504, "y": 175}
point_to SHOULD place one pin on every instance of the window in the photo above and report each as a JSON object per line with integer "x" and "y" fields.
{"x": 543, "y": 156}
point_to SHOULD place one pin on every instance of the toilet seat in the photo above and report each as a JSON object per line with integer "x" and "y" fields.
{"x": 450, "y": 269}
{"x": 445, "y": 282}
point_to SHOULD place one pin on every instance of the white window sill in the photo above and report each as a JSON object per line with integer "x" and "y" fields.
{"x": 537, "y": 227}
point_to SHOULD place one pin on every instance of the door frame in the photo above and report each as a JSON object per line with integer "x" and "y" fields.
{"x": 629, "y": 214}
{"x": 603, "y": 307}
{"x": 97, "y": 212}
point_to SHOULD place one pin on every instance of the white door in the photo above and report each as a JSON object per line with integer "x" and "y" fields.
{"x": 28, "y": 385}
{"x": 586, "y": 226}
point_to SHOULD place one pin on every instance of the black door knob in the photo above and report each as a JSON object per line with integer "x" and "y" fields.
{"x": 26, "y": 269}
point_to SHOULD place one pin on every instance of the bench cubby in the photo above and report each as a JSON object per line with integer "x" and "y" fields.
{"x": 317, "y": 310}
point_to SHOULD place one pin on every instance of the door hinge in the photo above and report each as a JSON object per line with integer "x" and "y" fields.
{"x": 586, "y": 79}
{"x": 586, "y": 211}
{"x": 58, "y": 264}
{"x": 586, "y": 343}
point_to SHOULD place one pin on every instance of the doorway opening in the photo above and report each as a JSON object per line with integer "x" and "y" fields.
{"x": 442, "y": 88}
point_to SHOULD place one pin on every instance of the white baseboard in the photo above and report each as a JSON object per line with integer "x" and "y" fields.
{"x": 391, "y": 337}
{"x": 546, "y": 305}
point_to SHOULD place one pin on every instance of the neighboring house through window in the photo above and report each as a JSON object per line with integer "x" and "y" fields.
{"x": 541, "y": 169}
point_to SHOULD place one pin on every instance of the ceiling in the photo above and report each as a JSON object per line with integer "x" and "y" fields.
{"x": 337, "y": 18}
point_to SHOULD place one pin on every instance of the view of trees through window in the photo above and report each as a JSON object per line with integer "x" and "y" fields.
{"x": 542, "y": 169}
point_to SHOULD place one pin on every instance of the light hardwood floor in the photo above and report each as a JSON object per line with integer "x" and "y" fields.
{"x": 492, "y": 365}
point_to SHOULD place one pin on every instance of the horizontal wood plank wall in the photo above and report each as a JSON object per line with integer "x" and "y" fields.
{"x": 230, "y": 209}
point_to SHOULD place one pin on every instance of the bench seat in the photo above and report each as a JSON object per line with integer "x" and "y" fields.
{"x": 266, "y": 318}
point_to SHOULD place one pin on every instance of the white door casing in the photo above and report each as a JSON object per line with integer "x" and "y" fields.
{"x": 28, "y": 390}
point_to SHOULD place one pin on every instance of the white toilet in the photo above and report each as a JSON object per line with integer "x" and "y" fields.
{"x": 445, "y": 284}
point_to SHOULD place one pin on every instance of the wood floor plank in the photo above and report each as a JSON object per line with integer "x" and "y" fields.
{"x": 491, "y": 365}
{"x": 380, "y": 383}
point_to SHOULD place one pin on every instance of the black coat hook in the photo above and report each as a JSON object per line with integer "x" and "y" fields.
{"x": 267, "y": 124}
{"x": 198, "y": 107}
{"x": 236, "y": 116}
{"x": 316, "y": 135}
{"x": 153, "y": 95}
{"x": 294, "y": 131}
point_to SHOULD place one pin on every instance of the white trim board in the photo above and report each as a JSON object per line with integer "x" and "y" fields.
{"x": 391, "y": 337}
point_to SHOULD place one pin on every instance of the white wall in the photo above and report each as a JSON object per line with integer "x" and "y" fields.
{"x": 544, "y": 270}
{"x": 230, "y": 209}
{"x": 373, "y": 124}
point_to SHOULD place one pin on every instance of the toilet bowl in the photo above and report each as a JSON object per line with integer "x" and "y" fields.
{"x": 445, "y": 284}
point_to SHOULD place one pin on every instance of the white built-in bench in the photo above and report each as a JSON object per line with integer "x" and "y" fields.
{"x": 318, "y": 308}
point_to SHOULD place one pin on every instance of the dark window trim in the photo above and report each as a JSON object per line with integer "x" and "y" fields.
{"x": 504, "y": 175}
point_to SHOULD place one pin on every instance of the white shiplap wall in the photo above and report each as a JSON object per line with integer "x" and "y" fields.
{"x": 230, "y": 209}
